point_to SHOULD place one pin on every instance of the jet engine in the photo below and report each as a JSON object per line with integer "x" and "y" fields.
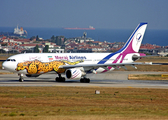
{"x": 74, "y": 73}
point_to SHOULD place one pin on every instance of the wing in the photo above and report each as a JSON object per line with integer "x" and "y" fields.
{"x": 95, "y": 66}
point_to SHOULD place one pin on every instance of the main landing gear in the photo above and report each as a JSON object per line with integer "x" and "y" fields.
{"x": 21, "y": 77}
{"x": 85, "y": 80}
{"x": 60, "y": 79}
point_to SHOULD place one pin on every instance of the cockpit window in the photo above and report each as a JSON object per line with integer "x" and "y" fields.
{"x": 11, "y": 60}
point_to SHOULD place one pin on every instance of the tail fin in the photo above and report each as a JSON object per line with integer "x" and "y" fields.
{"x": 131, "y": 46}
{"x": 134, "y": 42}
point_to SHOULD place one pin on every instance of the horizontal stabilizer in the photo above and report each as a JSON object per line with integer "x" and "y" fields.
{"x": 159, "y": 63}
{"x": 144, "y": 56}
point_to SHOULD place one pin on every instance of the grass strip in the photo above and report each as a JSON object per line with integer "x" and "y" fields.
{"x": 147, "y": 77}
{"x": 72, "y": 103}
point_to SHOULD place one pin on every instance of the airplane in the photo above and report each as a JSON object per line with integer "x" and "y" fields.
{"x": 78, "y": 65}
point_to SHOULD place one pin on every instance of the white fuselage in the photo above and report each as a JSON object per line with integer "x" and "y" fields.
{"x": 88, "y": 58}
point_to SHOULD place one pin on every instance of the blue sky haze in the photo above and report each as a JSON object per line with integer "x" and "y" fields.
{"x": 107, "y": 14}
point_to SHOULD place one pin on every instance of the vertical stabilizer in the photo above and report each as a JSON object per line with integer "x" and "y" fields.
{"x": 131, "y": 46}
{"x": 134, "y": 42}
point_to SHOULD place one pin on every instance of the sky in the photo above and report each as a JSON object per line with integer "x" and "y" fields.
{"x": 106, "y": 14}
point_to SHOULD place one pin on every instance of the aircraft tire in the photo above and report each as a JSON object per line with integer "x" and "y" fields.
{"x": 21, "y": 79}
{"x": 85, "y": 80}
{"x": 82, "y": 80}
{"x": 60, "y": 79}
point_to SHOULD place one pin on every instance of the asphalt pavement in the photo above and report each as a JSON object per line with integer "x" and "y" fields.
{"x": 110, "y": 79}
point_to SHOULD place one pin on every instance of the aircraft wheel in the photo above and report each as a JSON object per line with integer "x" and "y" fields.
{"x": 60, "y": 79}
{"x": 21, "y": 77}
{"x": 82, "y": 80}
{"x": 57, "y": 79}
{"x": 85, "y": 80}
{"x": 21, "y": 80}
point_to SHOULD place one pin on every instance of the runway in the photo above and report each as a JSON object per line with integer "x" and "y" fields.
{"x": 111, "y": 79}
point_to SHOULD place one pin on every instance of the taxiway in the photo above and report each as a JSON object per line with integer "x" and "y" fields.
{"x": 109, "y": 79}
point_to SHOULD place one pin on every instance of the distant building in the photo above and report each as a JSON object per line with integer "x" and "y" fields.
{"x": 81, "y": 39}
{"x": 57, "y": 50}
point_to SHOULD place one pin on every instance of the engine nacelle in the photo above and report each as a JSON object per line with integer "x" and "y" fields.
{"x": 33, "y": 75}
{"x": 74, "y": 73}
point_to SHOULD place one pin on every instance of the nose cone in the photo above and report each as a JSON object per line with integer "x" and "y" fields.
{"x": 10, "y": 66}
{"x": 3, "y": 65}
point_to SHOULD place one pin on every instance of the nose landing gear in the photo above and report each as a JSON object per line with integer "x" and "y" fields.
{"x": 21, "y": 77}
